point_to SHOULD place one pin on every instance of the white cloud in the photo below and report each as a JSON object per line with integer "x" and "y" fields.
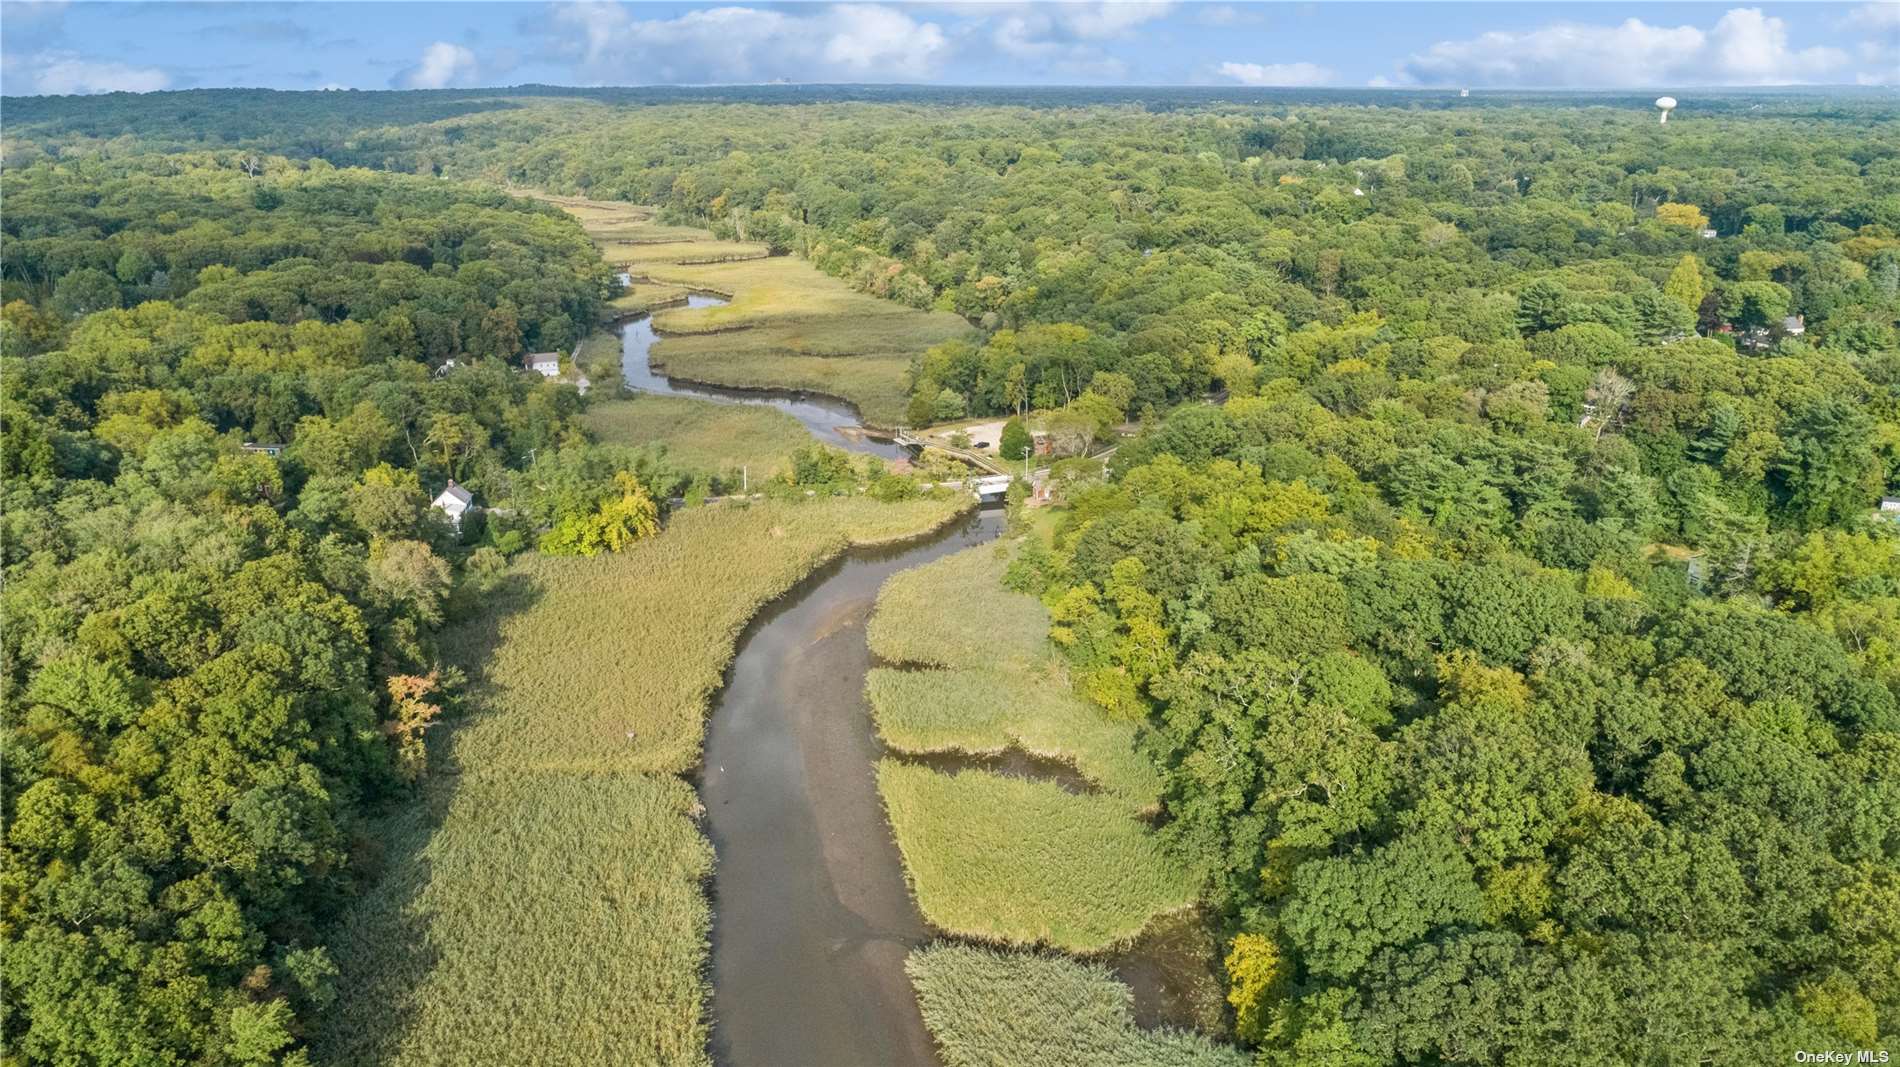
{"x": 740, "y": 44}
{"x": 442, "y": 65}
{"x": 1226, "y": 15}
{"x": 1744, "y": 47}
{"x": 1875, "y": 17}
{"x": 1283, "y": 74}
{"x": 61, "y": 73}
{"x": 1064, "y": 39}
{"x": 1879, "y": 47}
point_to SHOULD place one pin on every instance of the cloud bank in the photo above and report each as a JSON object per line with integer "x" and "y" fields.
{"x": 1283, "y": 74}
{"x": 1744, "y": 47}
{"x": 607, "y": 44}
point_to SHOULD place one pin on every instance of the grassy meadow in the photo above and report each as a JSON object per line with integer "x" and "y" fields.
{"x": 701, "y": 435}
{"x": 541, "y": 899}
{"x": 1027, "y": 862}
{"x": 1002, "y": 1009}
{"x": 789, "y": 326}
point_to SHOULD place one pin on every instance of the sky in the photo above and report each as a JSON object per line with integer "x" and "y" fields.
{"x": 61, "y": 47}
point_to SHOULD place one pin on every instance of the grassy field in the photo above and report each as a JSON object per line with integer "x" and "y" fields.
{"x": 1026, "y": 862}
{"x": 541, "y": 898}
{"x": 1002, "y": 1009}
{"x": 985, "y": 711}
{"x": 954, "y": 612}
{"x": 701, "y": 435}
{"x": 789, "y": 326}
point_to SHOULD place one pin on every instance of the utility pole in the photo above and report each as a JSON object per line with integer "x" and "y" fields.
{"x": 745, "y": 479}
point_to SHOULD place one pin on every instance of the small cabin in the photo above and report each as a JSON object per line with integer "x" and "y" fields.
{"x": 273, "y": 451}
{"x": 1708, "y": 235}
{"x": 1794, "y": 325}
{"x": 455, "y": 502}
{"x": 546, "y": 364}
{"x": 1890, "y": 507}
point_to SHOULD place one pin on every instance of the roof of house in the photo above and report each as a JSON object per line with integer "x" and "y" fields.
{"x": 456, "y": 493}
{"x": 533, "y": 358}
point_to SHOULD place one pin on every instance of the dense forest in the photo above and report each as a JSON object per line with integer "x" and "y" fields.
{"x": 218, "y": 659}
{"x": 1494, "y": 567}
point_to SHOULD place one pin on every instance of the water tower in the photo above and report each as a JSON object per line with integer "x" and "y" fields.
{"x": 1667, "y": 104}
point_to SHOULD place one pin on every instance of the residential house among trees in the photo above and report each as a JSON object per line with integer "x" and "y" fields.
{"x": 548, "y": 364}
{"x": 454, "y": 501}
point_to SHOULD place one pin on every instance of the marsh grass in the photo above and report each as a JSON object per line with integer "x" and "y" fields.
{"x": 694, "y": 246}
{"x": 1027, "y": 862}
{"x": 541, "y": 898}
{"x": 642, "y": 298}
{"x": 606, "y": 664}
{"x": 788, "y": 326}
{"x": 955, "y": 612}
{"x": 599, "y": 359}
{"x": 542, "y": 918}
{"x": 984, "y": 711}
{"x": 1002, "y": 1009}
{"x": 702, "y": 436}
{"x": 876, "y": 386}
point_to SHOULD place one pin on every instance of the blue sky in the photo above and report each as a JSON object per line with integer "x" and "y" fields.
{"x": 101, "y": 47}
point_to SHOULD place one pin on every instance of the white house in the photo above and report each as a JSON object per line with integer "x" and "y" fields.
{"x": 1890, "y": 507}
{"x": 454, "y": 502}
{"x": 548, "y": 364}
{"x": 1794, "y": 325}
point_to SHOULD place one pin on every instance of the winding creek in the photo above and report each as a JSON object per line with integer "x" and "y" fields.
{"x": 812, "y": 916}
{"x": 835, "y": 422}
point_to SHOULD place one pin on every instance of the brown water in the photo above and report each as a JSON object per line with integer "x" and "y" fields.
{"x": 811, "y": 914}
{"x": 812, "y": 917}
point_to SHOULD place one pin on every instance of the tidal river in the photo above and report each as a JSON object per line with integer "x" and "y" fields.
{"x": 834, "y": 422}
{"x": 811, "y": 915}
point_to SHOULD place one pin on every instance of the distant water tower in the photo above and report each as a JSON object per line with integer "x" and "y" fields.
{"x": 1667, "y": 104}
{"x": 1464, "y": 92}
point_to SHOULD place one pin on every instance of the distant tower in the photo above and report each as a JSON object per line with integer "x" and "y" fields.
{"x": 1667, "y": 104}
{"x": 1464, "y": 92}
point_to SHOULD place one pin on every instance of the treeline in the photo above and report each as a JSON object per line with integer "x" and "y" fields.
{"x": 1475, "y": 770}
{"x": 1194, "y": 248}
{"x": 218, "y": 661}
